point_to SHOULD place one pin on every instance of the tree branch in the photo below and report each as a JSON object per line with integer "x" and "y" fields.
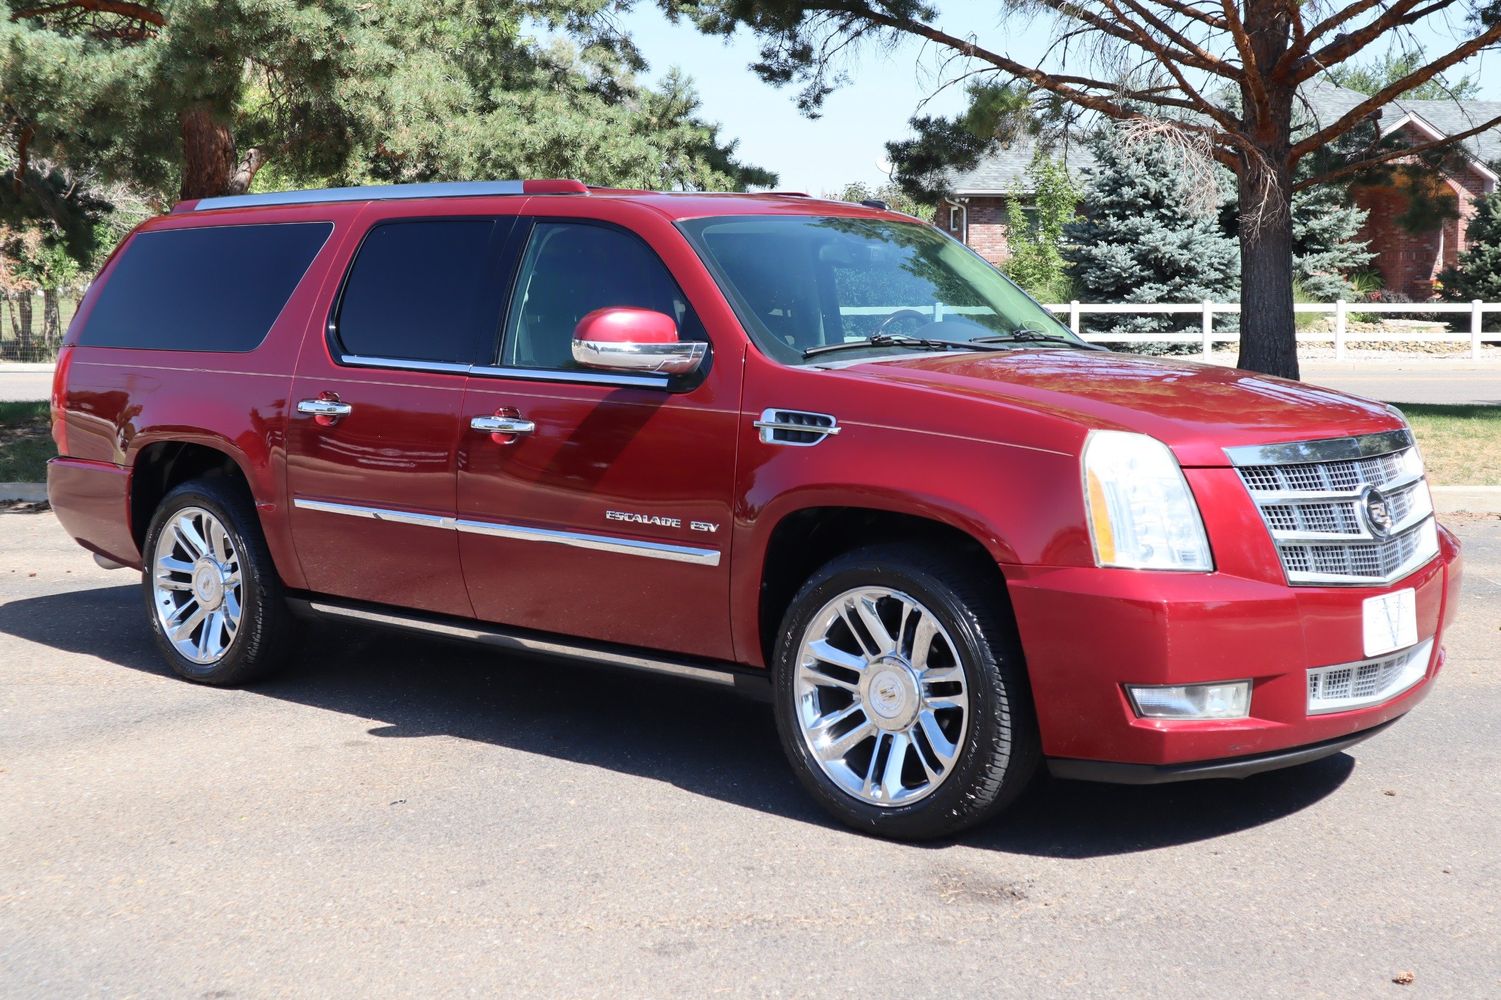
{"x": 1394, "y": 154}
{"x": 134, "y": 11}
{"x": 1344, "y": 46}
{"x": 1393, "y": 90}
{"x": 1250, "y": 75}
{"x": 1342, "y": 16}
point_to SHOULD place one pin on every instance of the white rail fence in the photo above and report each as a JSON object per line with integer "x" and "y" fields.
{"x": 1340, "y": 335}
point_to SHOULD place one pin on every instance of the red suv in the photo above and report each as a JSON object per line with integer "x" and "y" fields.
{"x": 812, "y": 448}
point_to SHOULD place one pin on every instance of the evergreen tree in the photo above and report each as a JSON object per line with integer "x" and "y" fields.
{"x": 1140, "y": 239}
{"x": 1325, "y": 250}
{"x": 1478, "y": 271}
{"x": 196, "y": 97}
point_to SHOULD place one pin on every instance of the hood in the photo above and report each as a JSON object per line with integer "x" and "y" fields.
{"x": 1198, "y": 410}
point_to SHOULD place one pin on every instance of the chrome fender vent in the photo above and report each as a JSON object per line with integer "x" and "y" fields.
{"x": 797, "y": 428}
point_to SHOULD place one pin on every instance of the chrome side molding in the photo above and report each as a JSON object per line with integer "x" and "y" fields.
{"x": 602, "y": 543}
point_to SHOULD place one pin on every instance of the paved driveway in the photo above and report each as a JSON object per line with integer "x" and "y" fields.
{"x": 395, "y": 817}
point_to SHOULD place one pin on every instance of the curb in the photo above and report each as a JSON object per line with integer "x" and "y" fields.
{"x": 1467, "y": 499}
{"x": 27, "y": 368}
{"x": 24, "y": 492}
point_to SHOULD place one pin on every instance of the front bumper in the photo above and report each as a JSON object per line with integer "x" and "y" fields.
{"x": 1088, "y": 632}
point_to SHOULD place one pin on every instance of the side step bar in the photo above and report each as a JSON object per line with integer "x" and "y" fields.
{"x": 744, "y": 680}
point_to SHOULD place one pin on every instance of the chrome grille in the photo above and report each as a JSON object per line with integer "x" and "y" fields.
{"x": 1317, "y": 498}
{"x": 1354, "y": 685}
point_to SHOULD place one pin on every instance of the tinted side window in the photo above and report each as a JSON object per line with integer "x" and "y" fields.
{"x": 570, "y": 270}
{"x": 415, "y": 292}
{"x": 214, "y": 289}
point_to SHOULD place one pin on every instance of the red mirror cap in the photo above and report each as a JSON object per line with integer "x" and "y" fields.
{"x": 621, "y": 325}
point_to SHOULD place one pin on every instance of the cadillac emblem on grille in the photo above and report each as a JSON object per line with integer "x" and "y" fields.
{"x": 1378, "y": 513}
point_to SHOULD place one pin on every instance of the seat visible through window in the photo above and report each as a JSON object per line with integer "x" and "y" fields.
{"x": 572, "y": 269}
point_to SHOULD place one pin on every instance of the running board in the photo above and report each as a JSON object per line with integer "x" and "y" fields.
{"x": 744, "y": 680}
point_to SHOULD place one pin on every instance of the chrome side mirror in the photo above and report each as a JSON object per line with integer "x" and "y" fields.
{"x": 639, "y": 341}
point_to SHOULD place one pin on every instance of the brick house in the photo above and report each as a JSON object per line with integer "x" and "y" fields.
{"x": 978, "y": 205}
{"x": 976, "y": 210}
{"x": 1410, "y": 261}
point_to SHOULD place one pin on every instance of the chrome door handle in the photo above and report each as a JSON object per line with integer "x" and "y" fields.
{"x": 503, "y": 425}
{"x": 324, "y": 408}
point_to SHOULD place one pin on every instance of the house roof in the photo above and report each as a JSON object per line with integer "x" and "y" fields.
{"x": 1325, "y": 102}
{"x": 1005, "y": 171}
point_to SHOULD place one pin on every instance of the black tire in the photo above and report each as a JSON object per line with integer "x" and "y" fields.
{"x": 999, "y": 753}
{"x": 261, "y": 642}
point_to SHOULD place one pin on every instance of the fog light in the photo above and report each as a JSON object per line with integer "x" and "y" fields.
{"x": 1224, "y": 700}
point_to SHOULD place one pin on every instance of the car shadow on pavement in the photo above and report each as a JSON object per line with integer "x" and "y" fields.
{"x": 703, "y": 740}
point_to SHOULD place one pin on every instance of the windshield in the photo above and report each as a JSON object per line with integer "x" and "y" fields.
{"x": 800, "y": 283}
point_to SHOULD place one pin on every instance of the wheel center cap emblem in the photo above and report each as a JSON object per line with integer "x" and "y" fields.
{"x": 208, "y": 585}
{"x": 1377, "y": 510}
{"x": 888, "y": 693}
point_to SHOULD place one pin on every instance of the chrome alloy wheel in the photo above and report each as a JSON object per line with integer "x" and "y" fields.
{"x": 196, "y": 583}
{"x": 881, "y": 696}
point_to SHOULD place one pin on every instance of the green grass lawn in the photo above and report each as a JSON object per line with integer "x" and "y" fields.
{"x": 1461, "y": 444}
{"x": 25, "y": 442}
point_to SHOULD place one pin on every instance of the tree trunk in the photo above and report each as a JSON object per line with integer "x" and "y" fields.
{"x": 1268, "y": 333}
{"x": 208, "y": 153}
{"x": 23, "y": 330}
{"x": 52, "y": 320}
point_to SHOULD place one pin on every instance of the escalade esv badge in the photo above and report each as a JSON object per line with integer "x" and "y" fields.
{"x": 1029, "y": 555}
{"x": 655, "y": 520}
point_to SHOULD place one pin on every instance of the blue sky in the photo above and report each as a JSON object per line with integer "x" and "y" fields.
{"x": 886, "y": 88}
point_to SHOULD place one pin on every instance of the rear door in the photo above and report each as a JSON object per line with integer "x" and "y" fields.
{"x": 610, "y": 519}
{"x": 375, "y": 410}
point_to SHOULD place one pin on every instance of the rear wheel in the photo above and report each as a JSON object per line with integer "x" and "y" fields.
{"x": 212, "y": 595}
{"x": 900, "y": 693}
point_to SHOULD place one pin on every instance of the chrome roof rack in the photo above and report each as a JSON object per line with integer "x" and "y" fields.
{"x": 391, "y": 192}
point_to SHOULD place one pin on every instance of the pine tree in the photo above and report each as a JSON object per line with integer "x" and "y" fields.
{"x": 194, "y": 98}
{"x": 1478, "y": 271}
{"x": 1325, "y": 250}
{"x": 1141, "y": 239}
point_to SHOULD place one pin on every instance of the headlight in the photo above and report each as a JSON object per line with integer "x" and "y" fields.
{"x": 1141, "y": 513}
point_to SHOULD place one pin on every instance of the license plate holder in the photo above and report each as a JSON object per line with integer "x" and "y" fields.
{"x": 1390, "y": 621}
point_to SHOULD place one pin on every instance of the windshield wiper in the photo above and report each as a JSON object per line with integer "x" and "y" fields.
{"x": 887, "y": 340}
{"x": 1027, "y": 334}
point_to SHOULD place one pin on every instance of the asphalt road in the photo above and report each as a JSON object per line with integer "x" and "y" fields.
{"x": 1418, "y": 380}
{"x": 397, "y": 817}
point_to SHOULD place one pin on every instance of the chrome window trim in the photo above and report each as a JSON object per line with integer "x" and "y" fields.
{"x": 577, "y": 539}
{"x": 402, "y": 364}
{"x": 381, "y": 192}
{"x": 1324, "y": 450}
{"x": 582, "y": 377}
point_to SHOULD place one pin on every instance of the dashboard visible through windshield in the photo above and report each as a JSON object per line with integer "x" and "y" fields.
{"x": 805, "y": 286}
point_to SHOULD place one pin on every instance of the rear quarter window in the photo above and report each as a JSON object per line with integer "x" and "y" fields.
{"x": 217, "y": 288}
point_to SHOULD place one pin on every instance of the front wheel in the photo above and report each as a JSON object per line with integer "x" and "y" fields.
{"x": 212, "y": 594}
{"x": 901, "y": 697}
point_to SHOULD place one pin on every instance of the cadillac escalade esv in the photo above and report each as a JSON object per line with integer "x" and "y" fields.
{"x": 810, "y": 447}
